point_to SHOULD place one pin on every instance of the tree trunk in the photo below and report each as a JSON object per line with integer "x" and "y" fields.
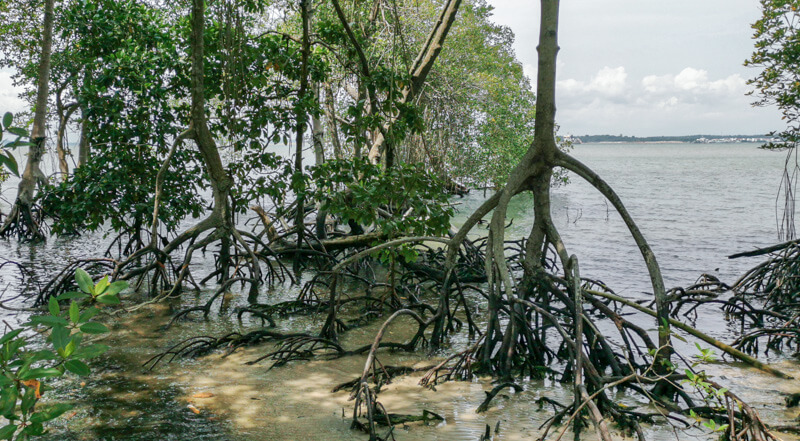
{"x": 317, "y": 132}
{"x": 300, "y": 129}
{"x": 220, "y": 181}
{"x": 330, "y": 116}
{"x": 21, "y": 217}
{"x": 84, "y": 150}
{"x": 64, "y": 114}
{"x": 381, "y": 150}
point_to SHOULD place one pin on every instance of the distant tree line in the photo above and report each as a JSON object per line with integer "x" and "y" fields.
{"x": 686, "y": 138}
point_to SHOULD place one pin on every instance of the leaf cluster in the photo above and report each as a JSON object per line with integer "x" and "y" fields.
{"x": 7, "y": 160}
{"x": 777, "y": 53}
{"x": 25, "y": 367}
{"x": 403, "y": 200}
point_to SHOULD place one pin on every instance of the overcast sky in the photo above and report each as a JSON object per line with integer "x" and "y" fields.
{"x": 647, "y": 67}
{"x": 635, "y": 67}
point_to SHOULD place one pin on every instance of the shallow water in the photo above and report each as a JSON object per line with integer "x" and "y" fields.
{"x": 696, "y": 204}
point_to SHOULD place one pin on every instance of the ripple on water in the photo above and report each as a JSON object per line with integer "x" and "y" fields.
{"x": 696, "y": 205}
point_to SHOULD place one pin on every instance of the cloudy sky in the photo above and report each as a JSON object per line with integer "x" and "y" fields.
{"x": 647, "y": 67}
{"x": 635, "y": 67}
{"x": 8, "y": 94}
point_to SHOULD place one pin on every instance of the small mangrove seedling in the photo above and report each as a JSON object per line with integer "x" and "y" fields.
{"x": 24, "y": 367}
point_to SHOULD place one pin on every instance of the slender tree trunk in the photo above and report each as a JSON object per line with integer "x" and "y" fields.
{"x": 220, "y": 181}
{"x": 302, "y": 117}
{"x": 330, "y": 116}
{"x": 84, "y": 149}
{"x": 64, "y": 115}
{"x": 317, "y": 132}
{"x": 21, "y": 216}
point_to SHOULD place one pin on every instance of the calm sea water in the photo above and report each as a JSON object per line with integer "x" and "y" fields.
{"x": 695, "y": 203}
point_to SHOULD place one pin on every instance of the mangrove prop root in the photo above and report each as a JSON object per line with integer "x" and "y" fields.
{"x": 694, "y": 332}
{"x": 484, "y": 406}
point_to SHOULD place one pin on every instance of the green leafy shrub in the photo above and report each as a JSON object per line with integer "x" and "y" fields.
{"x": 7, "y": 162}
{"x": 404, "y": 200}
{"x": 24, "y": 366}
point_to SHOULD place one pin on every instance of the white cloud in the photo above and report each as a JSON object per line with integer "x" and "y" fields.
{"x": 687, "y": 101}
{"x": 696, "y": 82}
{"x": 690, "y": 79}
{"x": 657, "y": 83}
{"x": 732, "y": 84}
{"x": 608, "y": 82}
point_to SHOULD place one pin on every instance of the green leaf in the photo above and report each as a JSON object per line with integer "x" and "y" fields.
{"x": 50, "y": 412}
{"x": 84, "y": 281}
{"x": 49, "y": 320}
{"x": 101, "y": 285}
{"x": 28, "y": 401}
{"x": 679, "y": 338}
{"x": 8, "y": 401}
{"x": 7, "y": 432}
{"x": 18, "y": 131}
{"x": 35, "y": 429}
{"x": 10, "y": 162}
{"x": 8, "y": 118}
{"x": 70, "y": 347}
{"x": 108, "y": 299}
{"x": 116, "y": 287}
{"x": 41, "y": 373}
{"x": 42, "y": 354}
{"x": 77, "y": 367}
{"x": 73, "y": 295}
{"x": 9, "y": 336}
{"x": 52, "y": 305}
{"x": 91, "y": 351}
{"x": 88, "y": 314}
{"x": 60, "y": 337}
{"x": 74, "y": 312}
{"x": 94, "y": 328}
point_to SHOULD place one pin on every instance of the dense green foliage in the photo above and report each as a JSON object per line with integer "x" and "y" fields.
{"x": 124, "y": 69}
{"x": 25, "y": 365}
{"x": 479, "y": 108}
{"x": 777, "y": 53}
{"x": 402, "y": 200}
{"x": 8, "y": 164}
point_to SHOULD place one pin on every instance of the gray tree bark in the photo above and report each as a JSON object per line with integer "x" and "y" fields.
{"x": 21, "y": 217}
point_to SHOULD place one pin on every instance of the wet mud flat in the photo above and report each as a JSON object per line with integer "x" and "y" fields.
{"x": 222, "y": 397}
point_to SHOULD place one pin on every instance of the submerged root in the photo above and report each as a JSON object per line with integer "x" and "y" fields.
{"x": 26, "y": 221}
{"x": 766, "y": 301}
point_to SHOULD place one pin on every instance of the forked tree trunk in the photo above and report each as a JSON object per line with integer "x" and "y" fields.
{"x": 220, "y": 181}
{"x": 382, "y": 149}
{"x": 64, "y": 115}
{"x": 533, "y": 174}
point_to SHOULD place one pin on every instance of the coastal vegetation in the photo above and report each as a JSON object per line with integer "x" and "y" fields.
{"x": 180, "y": 109}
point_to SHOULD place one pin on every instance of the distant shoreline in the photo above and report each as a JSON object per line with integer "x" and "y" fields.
{"x": 669, "y": 142}
{"x": 689, "y": 139}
